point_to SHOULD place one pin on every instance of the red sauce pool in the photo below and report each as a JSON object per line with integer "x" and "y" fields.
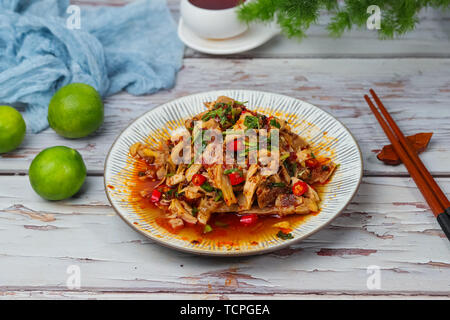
{"x": 226, "y": 228}
{"x": 216, "y": 4}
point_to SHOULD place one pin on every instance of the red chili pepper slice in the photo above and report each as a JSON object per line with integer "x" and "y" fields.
{"x": 156, "y": 195}
{"x": 235, "y": 145}
{"x": 198, "y": 179}
{"x": 248, "y": 219}
{"x": 312, "y": 163}
{"x": 292, "y": 156}
{"x": 236, "y": 178}
{"x": 299, "y": 188}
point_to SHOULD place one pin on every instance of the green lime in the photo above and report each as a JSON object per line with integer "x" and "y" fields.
{"x": 12, "y": 129}
{"x": 75, "y": 111}
{"x": 57, "y": 173}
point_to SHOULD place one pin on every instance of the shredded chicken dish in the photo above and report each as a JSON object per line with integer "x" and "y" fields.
{"x": 229, "y": 159}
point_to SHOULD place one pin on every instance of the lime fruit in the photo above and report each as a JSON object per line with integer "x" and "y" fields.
{"x": 75, "y": 111}
{"x": 12, "y": 129}
{"x": 57, "y": 173}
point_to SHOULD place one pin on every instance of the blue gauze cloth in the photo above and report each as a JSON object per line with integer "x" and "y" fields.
{"x": 133, "y": 48}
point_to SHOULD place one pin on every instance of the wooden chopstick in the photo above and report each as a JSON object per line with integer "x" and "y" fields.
{"x": 413, "y": 155}
{"x": 433, "y": 202}
{"x": 439, "y": 209}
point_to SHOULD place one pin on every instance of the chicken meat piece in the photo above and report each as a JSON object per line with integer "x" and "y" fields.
{"x": 193, "y": 169}
{"x": 180, "y": 208}
{"x": 252, "y": 181}
{"x": 222, "y": 182}
{"x": 176, "y": 223}
{"x": 205, "y": 208}
{"x": 321, "y": 173}
{"x": 192, "y": 192}
{"x": 267, "y": 193}
{"x": 294, "y": 140}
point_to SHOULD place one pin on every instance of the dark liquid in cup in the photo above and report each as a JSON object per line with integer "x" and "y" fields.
{"x": 216, "y": 4}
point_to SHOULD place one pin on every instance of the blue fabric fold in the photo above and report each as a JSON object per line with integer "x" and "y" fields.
{"x": 133, "y": 48}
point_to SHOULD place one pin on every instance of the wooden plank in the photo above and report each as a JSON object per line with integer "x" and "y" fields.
{"x": 80, "y": 294}
{"x": 387, "y": 225}
{"x": 416, "y": 91}
{"x": 429, "y": 39}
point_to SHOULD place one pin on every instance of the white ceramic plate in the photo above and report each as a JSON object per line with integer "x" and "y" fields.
{"x": 256, "y": 35}
{"x": 322, "y": 130}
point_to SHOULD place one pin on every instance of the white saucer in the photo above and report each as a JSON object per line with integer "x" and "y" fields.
{"x": 256, "y": 35}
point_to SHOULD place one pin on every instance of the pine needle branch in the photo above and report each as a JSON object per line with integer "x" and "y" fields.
{"x": 296, "y": 16}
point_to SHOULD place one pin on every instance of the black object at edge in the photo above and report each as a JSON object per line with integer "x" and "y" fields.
{"x": 444, "y": 221}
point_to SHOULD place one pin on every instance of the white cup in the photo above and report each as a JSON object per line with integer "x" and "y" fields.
{"x": 211, "y": 24}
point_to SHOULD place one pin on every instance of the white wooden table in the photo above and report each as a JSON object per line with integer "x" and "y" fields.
{"x": 387, "y": 224}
